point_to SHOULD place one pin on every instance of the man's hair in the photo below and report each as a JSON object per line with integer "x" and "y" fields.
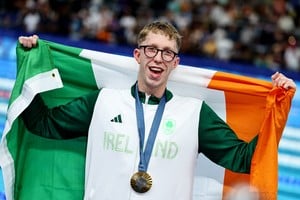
{"x": 162, "y": 27}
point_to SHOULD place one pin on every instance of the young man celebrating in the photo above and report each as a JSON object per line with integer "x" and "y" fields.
{"x": 134, "y": 168}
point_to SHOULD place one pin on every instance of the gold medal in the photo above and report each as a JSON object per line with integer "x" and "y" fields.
{"x": 141, "y": 182}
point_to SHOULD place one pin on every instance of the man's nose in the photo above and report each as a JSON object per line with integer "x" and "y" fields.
{"x": 158, "y": 56}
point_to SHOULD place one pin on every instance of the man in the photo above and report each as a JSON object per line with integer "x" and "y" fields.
{"x": 128, "y": 170}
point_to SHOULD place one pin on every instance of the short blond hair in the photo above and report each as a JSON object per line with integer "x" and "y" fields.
{"x": 163, "y": 27}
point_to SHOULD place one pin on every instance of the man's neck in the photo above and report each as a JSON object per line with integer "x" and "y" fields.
{"x": 157, "y": 92}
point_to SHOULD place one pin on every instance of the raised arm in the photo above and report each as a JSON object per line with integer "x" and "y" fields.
{"x": 63, "y": 122}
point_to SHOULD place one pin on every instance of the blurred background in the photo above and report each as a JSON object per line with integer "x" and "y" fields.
{"x": 254, "y": 38}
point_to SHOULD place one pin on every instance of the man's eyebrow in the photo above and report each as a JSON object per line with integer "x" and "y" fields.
{"x": 164, "y": 48}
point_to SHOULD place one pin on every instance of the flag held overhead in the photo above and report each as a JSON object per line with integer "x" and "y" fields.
{"x": 41, "y": 168}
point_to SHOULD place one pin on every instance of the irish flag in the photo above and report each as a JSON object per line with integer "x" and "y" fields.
{"x": 39, "y": 168}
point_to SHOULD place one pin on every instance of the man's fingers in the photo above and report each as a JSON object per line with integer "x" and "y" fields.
{"x": 28, "y": 42}
{"x": 280, "y": 80}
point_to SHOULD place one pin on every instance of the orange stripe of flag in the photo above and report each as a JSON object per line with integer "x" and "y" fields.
{"x": 251, "y": 109}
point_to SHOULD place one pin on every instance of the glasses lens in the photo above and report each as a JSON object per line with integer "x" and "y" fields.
{"x": 168, "y": 55}
{"x": 151, "y": 52}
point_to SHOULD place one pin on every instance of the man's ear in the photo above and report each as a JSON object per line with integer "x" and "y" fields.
{"x": 176, "y": 62}
{"x": 137, "y": 54}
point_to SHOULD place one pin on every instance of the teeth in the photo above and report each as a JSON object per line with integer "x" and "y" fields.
{"x": 156, "y": 69}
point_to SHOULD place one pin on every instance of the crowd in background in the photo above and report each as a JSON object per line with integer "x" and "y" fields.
{"x": 265, "y": 33}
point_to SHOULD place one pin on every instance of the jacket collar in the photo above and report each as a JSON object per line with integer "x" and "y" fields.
{"x": 153, "y": 100}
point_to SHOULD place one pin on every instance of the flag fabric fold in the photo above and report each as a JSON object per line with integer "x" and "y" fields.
{"x": 40, "y": 168}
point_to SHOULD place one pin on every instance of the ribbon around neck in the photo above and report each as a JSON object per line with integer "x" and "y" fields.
{"x": 146, "y": 154}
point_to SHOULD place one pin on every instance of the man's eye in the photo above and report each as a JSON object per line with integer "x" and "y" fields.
{"x": 152, "y": 49}
{"x": 168, "y": 53}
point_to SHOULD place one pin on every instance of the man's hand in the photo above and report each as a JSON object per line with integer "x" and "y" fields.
{"x": 29, "y": 42}
{"x": 280, "y": 80}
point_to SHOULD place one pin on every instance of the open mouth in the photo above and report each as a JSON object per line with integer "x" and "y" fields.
{"x": 156, "y": 70}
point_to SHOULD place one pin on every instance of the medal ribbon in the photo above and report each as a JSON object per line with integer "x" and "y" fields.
{"x": 146, "y": 154}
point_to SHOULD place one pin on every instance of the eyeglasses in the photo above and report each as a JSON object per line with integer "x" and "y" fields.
{"x": 166, "y": 54}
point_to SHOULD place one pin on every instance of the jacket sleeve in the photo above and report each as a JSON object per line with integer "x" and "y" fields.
{"x": 62, "y": 122}
{"x": 220, "y": 144}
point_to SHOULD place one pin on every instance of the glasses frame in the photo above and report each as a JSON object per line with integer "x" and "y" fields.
{"x": 157, "y": 50}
